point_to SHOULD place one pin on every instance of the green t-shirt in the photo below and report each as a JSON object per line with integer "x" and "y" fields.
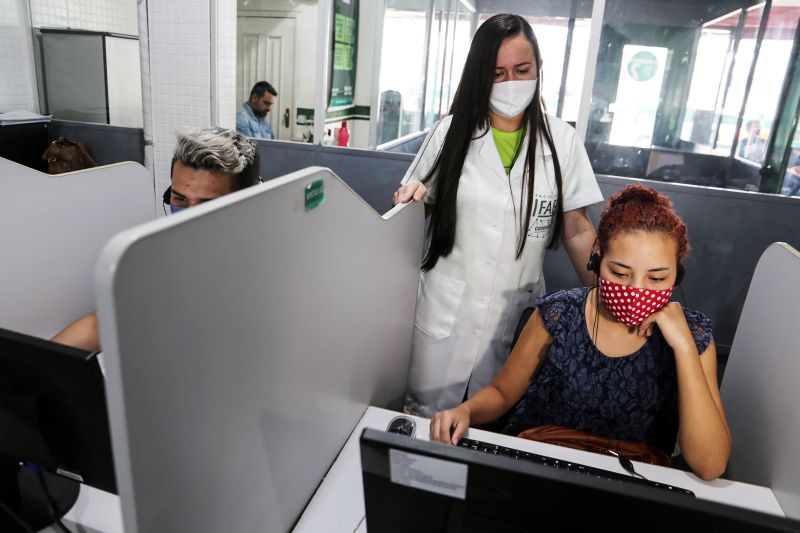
{"x": 507, "y": 143}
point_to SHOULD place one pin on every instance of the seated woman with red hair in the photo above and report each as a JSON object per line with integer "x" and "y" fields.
{"x": 617, "y": 362}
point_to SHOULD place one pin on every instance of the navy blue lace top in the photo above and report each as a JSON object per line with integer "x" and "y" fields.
{"x": 632, "y": 397}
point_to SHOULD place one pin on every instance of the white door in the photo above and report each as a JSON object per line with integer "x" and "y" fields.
{"x": 265, "y": 52}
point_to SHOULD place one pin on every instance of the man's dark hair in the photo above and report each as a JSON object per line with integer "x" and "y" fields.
{"x": 219, "y": 150}
{"x": 262, "y": 87}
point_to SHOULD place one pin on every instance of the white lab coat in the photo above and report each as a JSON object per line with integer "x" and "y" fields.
{"x": 469, "y": 304}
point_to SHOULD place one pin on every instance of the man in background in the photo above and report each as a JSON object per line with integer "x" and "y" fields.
{"x": 791, "y": 180}
{"x": 753, "y": 147}
{"x": 251, "y": 118}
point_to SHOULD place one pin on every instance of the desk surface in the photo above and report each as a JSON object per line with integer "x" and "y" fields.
{"x": 95, "y": 511}
{"x": 335, "y": 509}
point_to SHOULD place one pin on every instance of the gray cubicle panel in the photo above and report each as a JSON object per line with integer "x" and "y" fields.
{"x": 52, "y": 229}
{"x": 728, "y": 229}
{"x": 760, "y": 391}
{"x": 244, "y": 338}
{"x": 373, "y": 175}
{"x": 107, "y": 144}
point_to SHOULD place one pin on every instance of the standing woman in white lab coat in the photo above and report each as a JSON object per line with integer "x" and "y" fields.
{"x": 502, "y": 182}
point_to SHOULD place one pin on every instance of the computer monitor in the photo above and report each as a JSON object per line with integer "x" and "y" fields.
{"x": 422, "y": 486}
{"x": 54, "y": 430}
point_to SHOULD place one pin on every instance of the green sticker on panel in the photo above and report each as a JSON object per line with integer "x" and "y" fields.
{"x": 315, "y": 194}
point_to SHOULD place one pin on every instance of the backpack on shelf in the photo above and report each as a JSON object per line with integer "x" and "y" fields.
{"x": 64, "y": 155}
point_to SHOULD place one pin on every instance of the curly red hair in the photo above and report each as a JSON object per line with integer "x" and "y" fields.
{"x": 637, "y": 207}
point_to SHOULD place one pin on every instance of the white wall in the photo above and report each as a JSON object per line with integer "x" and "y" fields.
{"x": 18, "y": 79}
{"x": 115, "y": 16}
{"x": 180, "y": 74}
{"x": 183, "y": 50}
{"x": 366, "y": 63}
{"x": 305, "y": 54}
{"x": 224, "y": 45}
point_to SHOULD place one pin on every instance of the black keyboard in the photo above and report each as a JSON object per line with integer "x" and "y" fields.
{"x": 566, "y": 465}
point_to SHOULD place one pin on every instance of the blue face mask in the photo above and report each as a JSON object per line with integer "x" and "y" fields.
{"x": 175, "y": 209}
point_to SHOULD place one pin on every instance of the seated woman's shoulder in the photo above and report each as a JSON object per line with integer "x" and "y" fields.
{"x": 558, "y": 305}
{"x": 694, "y": 317}
{"x": 701, "y": 327}
{"x": 565, "y": 295}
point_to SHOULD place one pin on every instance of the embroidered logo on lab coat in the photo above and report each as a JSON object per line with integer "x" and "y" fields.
{"x": 542, "y": 215}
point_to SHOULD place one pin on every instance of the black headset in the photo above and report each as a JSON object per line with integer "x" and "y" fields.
{"x": 593, "y": 265}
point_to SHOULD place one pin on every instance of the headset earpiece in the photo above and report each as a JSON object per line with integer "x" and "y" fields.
{"x": 679, "y": 276}
{"x": 167, "y": 195}
{"x": 593, "y": 265}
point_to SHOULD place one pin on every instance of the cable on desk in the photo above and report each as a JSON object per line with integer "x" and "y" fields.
{"x": 52, "y": 506}
{"x": 627, "y": 465}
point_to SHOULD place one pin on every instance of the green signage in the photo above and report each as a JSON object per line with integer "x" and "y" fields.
{"x": 315, "y": 194}
{"x": 345, "y": 48}
{"x": 643, "y": 66}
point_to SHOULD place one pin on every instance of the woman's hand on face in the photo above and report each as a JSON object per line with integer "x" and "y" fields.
{"x": 673, "y": 326}
{"x": 456, "y": 419}
{"x": 413, "y": 190}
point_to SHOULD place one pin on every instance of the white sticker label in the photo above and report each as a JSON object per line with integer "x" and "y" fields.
{"x": 426, "y": 473}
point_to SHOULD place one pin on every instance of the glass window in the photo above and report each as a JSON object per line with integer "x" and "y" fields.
{"x": 435, "y": 41}
{"x": 462, "y": 38}
{"x": 765, "y": 91}
{"x": 790, "y": 185}
{"x": 551, "y": 33}
{"x": 694, "y": 92}
{"x": 402, "y": 76}
{"x": 741, "y": 73}
{"x": 637, "y": 99}
{"x": 439, "y": 55}
{"x": 577, "y": 69}
{"x": 708, "y": 78}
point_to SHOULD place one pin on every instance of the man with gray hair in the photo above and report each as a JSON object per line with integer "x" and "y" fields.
{"x": 210, "y": 163}
{"x": 207, "y": 163}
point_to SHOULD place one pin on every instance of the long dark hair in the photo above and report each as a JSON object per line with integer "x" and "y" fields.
{"x": 470, "y": 112}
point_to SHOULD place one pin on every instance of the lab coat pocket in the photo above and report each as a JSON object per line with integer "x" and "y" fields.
{"x": 520, "y": 300}
{"x": 437, "y": 304}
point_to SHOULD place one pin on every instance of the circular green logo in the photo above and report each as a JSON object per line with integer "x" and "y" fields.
{"x": 643, "y": 66}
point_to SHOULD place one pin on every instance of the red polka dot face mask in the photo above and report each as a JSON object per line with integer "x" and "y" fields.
{"x": 630, "y": 305}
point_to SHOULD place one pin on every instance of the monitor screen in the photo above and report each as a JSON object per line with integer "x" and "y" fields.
{"x": 416, "y": 485}
{"x": 54, "y": 428}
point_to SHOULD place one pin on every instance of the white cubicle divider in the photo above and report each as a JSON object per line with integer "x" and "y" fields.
{"x": 52, "y": 228}
{"x": 760, "y": 389}
{"x": 244, "y": 339}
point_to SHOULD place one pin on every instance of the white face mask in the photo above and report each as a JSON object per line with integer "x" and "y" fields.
{"x": 510, "y": 98}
